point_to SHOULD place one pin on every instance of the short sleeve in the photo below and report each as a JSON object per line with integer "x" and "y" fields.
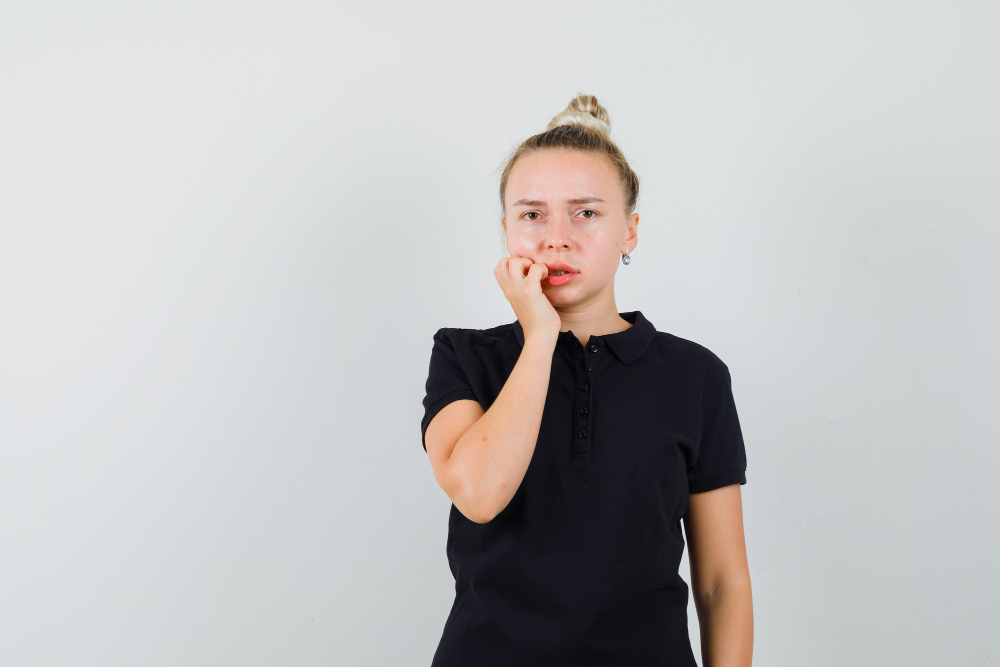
{"x": 446, "y": 380}
{"x": 722, "y": 458}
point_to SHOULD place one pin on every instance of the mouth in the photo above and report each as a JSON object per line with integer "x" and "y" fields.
{"x": 560, "y": 277}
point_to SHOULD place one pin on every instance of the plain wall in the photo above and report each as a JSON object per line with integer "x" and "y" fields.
{"x": 229, "y": 230}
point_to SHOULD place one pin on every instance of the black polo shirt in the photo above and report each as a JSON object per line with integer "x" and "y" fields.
{"x": 581, "y": 567}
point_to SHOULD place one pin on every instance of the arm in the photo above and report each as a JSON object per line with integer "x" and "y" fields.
{"x": 720, "y": 576}
{"x": 488, "y": 462}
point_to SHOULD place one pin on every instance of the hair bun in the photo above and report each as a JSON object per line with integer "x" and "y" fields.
{"x": 584, "y": 111}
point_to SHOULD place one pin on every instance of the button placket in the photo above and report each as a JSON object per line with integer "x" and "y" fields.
{"x": 582, "y": 435}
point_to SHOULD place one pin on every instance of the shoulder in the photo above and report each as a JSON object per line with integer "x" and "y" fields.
{"x": 500, "y": 332}
{"x": 694, "y": 357}
{"x": 467, "y": 341}
{"x": 689, "y": 348}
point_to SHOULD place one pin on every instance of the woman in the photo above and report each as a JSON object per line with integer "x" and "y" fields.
{"x": 575, "y": 440}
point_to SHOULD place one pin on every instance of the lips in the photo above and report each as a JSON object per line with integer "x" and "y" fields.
{"x": 562, "y": 279}
{"x": 570, "y": 274}
{"x": 559, "y": 266}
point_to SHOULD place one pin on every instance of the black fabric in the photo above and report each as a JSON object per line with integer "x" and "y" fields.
{"x": 581, "y": 567}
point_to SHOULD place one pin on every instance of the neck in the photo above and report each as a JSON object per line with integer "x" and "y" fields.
{"x": 592, "y": 321}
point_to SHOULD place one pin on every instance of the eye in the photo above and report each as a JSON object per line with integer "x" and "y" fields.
{"x": 531, "y": 213}
{"x": 590, "y": 211}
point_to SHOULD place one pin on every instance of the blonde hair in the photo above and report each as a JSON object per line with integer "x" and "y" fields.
{"x": 583, "y": 125}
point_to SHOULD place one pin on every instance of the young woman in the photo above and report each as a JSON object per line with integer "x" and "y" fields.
{"x": 575, "y": 440}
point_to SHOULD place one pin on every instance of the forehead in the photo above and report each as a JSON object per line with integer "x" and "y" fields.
{"x": 562, "y": 173}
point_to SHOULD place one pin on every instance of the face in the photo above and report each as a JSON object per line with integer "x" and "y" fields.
{"x": 544, "y": 223}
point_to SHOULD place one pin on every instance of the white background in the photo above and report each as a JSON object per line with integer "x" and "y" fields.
{"x": 228, "y": 232}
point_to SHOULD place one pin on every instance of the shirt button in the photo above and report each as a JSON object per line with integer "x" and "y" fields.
{"x": 593, "y": 347}
{"x": 584, "y": 387}
{"x": 582, "y": 433}
{"x": 583, "y": 410}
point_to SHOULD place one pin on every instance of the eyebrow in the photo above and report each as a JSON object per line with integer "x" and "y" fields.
{"x": 538, "y": 202}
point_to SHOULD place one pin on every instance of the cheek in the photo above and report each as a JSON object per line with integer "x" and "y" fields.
{"x": 522, "y": 242}
{"x": 609, "y": 244}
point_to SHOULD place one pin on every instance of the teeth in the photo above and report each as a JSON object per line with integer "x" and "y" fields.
{"x": 557, "y": 273}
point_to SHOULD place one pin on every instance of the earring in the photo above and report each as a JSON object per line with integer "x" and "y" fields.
{"x": 626, "y": 259}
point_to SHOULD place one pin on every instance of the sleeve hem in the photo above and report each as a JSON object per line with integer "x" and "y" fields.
{"x": 737, "y": 476}
{"x": 438, "y": 405}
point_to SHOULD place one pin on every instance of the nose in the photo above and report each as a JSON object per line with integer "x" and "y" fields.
{"x": 560, "y": 232}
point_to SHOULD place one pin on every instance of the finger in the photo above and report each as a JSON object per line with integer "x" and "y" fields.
{"x": 503, "y": 266}
{"x": 516, "y": 268}
{"x": 502, "y": 274}
{"x": 541, "y": 273}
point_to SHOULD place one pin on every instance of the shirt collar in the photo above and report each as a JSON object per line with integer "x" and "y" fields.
{"x": 627, "y": 345}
